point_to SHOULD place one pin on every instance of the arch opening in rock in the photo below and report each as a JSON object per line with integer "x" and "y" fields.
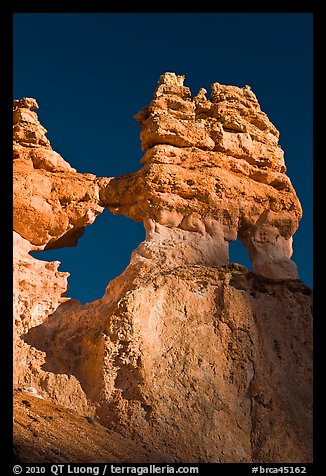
{"x": 101, "y": 254}
{"x": 239, "y": 254}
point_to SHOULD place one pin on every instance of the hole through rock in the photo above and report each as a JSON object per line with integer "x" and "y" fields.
{"x": 239, "y": 254}
{"x": 101, "y": 254}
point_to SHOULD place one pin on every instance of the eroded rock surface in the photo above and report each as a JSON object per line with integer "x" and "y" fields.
{"x": 200, "y": 359}
{"x": 202, "y": 362}
{"x": 49, "y": 433}
{"x": 52, "y": 202}
{"x": 213, "y": 168}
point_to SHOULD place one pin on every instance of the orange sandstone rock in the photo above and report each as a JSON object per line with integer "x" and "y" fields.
{"x": 200, "y": 359}
{"x": 214, "y": 169}
{"x": 52, "y": 202}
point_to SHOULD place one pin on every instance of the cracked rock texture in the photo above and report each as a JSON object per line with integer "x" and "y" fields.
{"x": 197, "y": 357}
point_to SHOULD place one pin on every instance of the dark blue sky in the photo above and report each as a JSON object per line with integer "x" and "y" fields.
{"x": 91, "y": 72}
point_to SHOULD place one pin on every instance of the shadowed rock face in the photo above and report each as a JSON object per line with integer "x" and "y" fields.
{"x": 199, "y": 358}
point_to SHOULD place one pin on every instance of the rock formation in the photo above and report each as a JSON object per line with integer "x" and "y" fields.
{"x": 213, "y": 172}
{"x": 197, "y": 357}
{"x": 52, "y": 433}
{"x": 52, "y": 203}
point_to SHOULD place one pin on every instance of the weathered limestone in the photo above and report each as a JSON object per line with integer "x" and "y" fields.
{"x": 198, "y": 358}
{"x": 52, "y": 202}
{"x": 206, "y": 364}
{"x": 39, "y": 289}
{"x": 212, "y": 162}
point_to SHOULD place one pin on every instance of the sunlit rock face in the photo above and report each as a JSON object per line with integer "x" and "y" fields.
{"x": 212, "y": 172}
{"x": 197, "y": 357}
{"x": 52, "y": 202}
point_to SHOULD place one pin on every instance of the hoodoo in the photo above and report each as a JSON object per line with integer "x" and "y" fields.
{"x": 194, "y": 357}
